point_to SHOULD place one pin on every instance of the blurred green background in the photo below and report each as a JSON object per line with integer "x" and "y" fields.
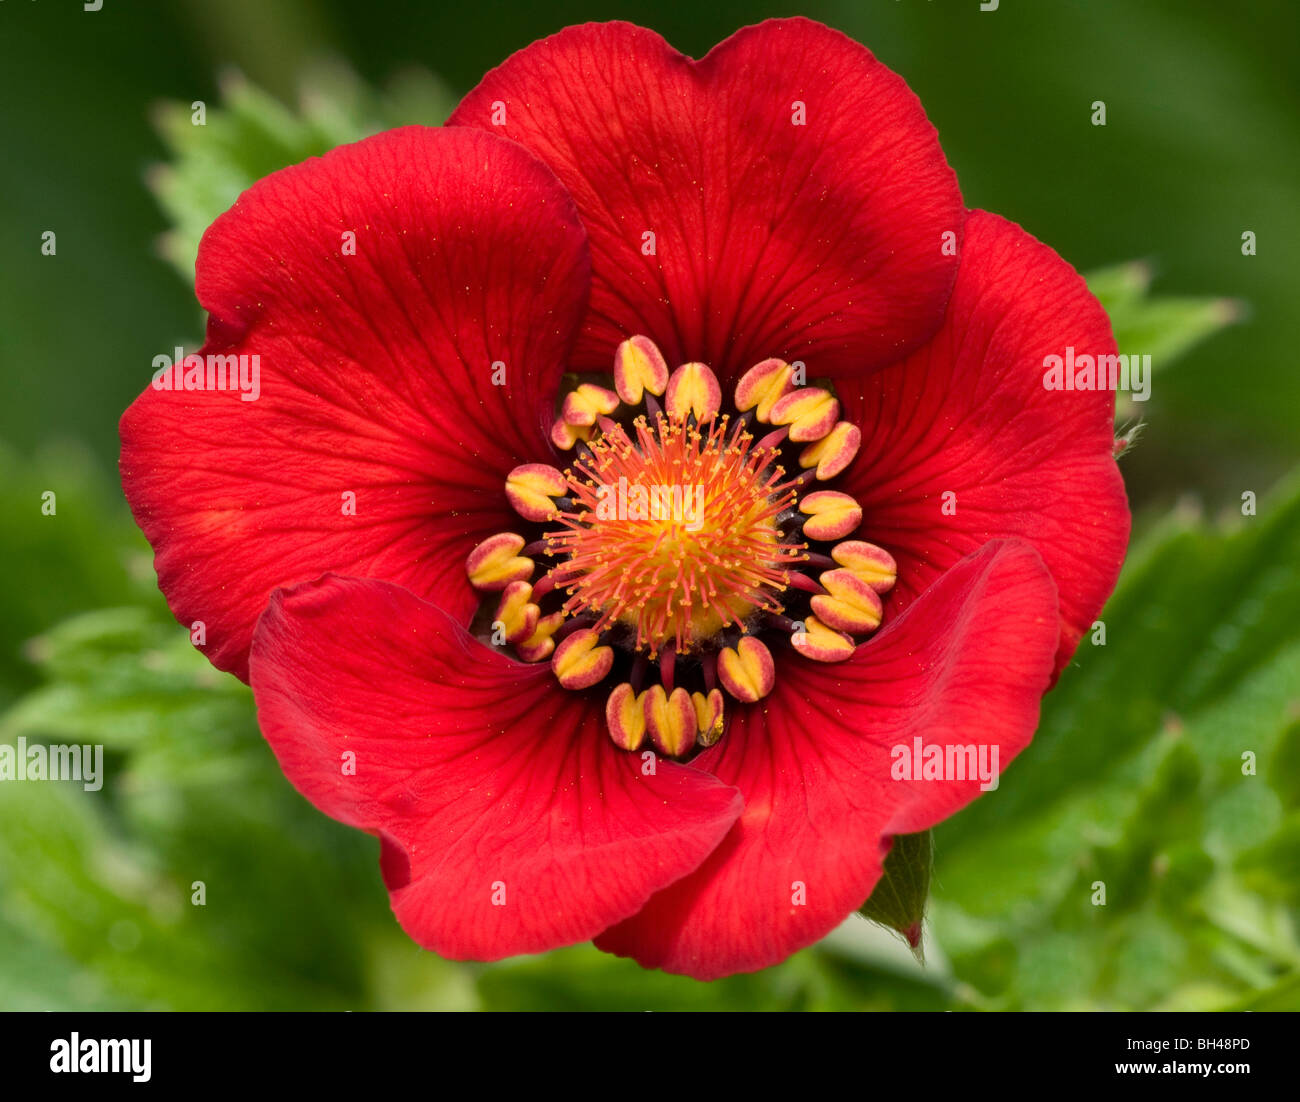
{"x": 1135, "y": 778}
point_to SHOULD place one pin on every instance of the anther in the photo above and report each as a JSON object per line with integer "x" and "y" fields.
{"x": 496, "y": 562}
{"x": 747, "y": 672}
{"x": 586, "y": 403}
{"x": 639, "y": 367}
{"x": 539, "y": 646}
{"x": 517, "y": 613}
{"x": 531, "y": 489}
{"x": 850, "y": 604}
{"x": 708, "y": 717}
{"x": 761, "y": 386}
{"x": 809, "y": 411}
{"x": 693, "y": 389}
{"x": 831, "y": 515}
{"x": 625, "y": 717}
{"x": 564, "y": 435}
{"x": 820, "y": 643}
{"x": 670, "y": 720}
{"x": 833, "y": 452}
{"x": 580, "y": 662}
{"x": 874, "y": 565}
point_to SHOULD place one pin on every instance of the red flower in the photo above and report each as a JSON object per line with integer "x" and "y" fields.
{"x": 779, "y": 211}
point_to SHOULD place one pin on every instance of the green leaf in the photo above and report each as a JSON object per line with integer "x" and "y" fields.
{"x": 1163, "y": 327}
{"x": 1162, "y": 773}
{"x": 65, "y": 552}
{"x": 252, "y": 134}
{"x": 1284, "y": 995}
{"x": 899, "y": 898}
{"x": 1272, "y": 868}
{"x": 191, "y": 793}
{"x": 583, "y": 978}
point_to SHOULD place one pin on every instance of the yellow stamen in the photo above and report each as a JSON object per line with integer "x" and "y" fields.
{"x": 849, "y": 605}
{"x": 874, "y": 565}
{"x": 564, "y": 435}
{"x": 539, "y": 646}
{"x": 583, "y": 405}
{"x": 625, "y": 717}
{"x": 833, "y": 452}
{"x": 670, "y": 720}
{"x": 530, "y": 489}
{"x": 810, "y": 412}
{"x": 820, "y": 643}
{"x": 693, "y": 388}
{"x": 638, "y": 367}
{"x": 708, "y": 717}
{"x": 747, "y": 672}
{"x": 496, "y": 562}
{"x": 831, "y": 515}
{"x": 761, "y": 386}
{"x": 516, "y": 613}
{"x": 579, "y": 662}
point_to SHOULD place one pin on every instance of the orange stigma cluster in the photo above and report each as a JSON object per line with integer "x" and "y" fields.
{"x": 677, "y": 543}
{"x": 674, "y": 534}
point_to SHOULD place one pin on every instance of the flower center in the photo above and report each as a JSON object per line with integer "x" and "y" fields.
{"x": 674, "y": 531}
{"x": 679, "y": 547}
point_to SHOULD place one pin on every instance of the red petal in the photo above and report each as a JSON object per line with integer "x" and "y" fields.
{"x": 966, "y": 665}
{"x": 969, "y": 414}
{"x": 820, "y": 242}
{"x": 376, "y": 376}
{"x": 481, "y": 776}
